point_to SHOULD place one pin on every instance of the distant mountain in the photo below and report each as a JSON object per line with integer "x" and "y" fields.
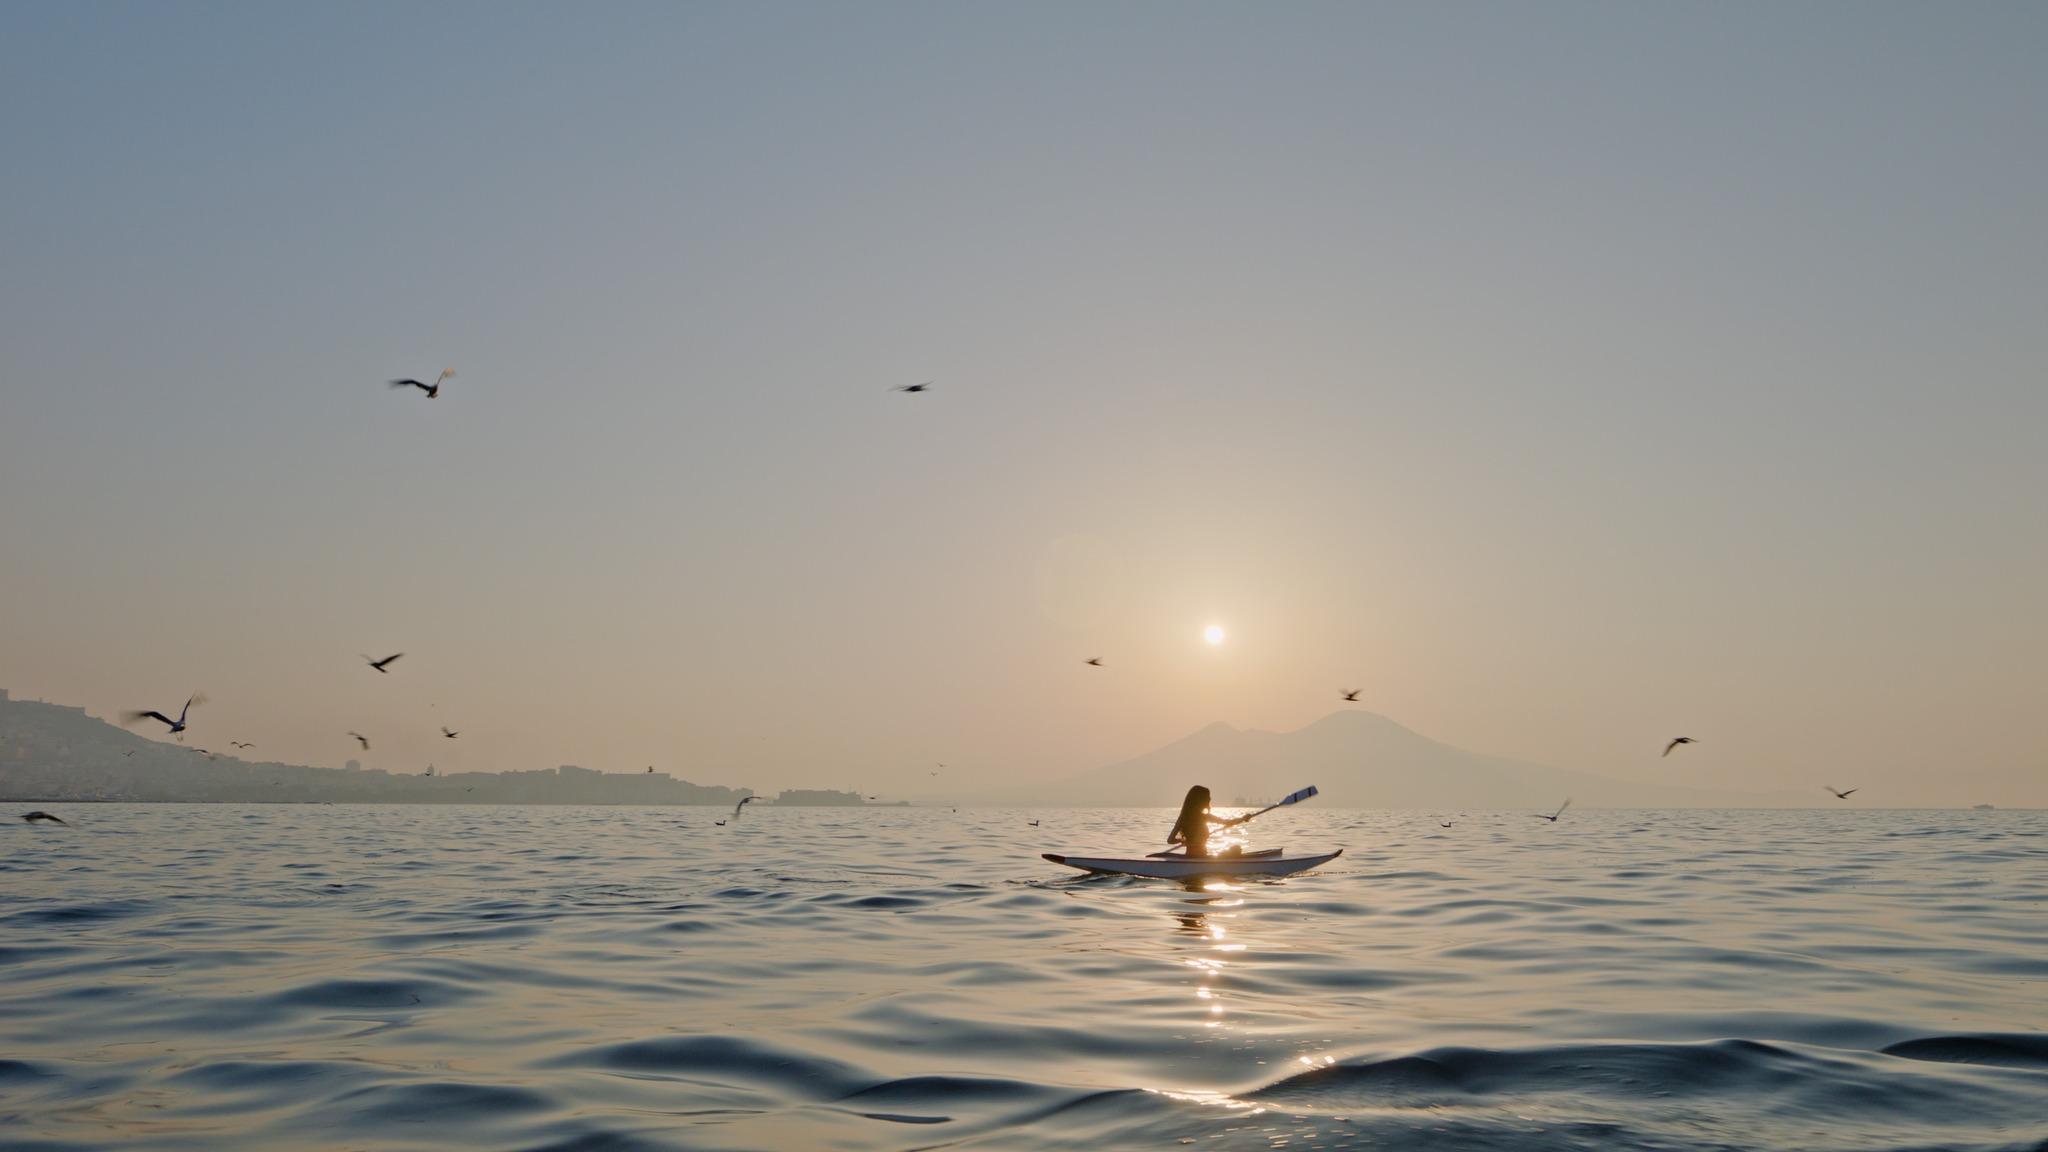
{"x": 1358, "y": 759}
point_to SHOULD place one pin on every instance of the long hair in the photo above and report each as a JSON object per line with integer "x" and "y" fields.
{"x": 1194, "y": 815}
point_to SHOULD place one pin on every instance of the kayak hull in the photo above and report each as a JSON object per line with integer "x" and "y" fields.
{"x": 1184, "y": 867}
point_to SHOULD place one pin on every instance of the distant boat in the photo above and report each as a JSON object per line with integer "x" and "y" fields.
{"x": 1983, "y": 807}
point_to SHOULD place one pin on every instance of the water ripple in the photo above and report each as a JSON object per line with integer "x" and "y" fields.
{"x": 623, "y": 979}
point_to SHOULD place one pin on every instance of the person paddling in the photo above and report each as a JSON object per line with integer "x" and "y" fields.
{"x": 1192, "y": 828}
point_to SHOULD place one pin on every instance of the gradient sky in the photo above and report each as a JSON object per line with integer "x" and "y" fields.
{"x": 1565, "y": 377}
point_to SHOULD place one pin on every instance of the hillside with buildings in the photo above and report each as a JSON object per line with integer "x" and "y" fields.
{"x": 52, "y": 752}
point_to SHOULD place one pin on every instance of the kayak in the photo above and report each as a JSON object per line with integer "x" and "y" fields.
{"x": 1179, "y": 867}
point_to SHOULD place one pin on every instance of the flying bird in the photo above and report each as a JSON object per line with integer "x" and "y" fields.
{"x": 1841, "y": 795}
{"x": 379, "y": 665}
{"x": 1560, "y": 811}
{"x": 1353, "y": 695}
{"x": 362, "y": 739}
{"x": 433, "y": 390}
{"x": 1095, "y": 660}
{"x": 39, "y": 814}
{"x": 924, "y": 387}
{"x": 239, "y": 744}
{"x": 650, "y": 769}
{"x": 744, "y": 801}
{"x": 1677, "y": 742}
{"x": 447, "y": 733}
{"x": 130, "y": 752}
{"x": 178, "y": 725}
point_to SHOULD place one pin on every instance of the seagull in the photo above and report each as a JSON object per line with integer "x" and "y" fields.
{"x": 362, "y": 739}
{"x": 379, "y": 665}
{"x": 1353, "y": 695}
{"x": 1095, "y": 660}
{"x": 720, "y": 823}
{"x": 1841, "y": 795}
{"x": 926, "y": 386}
{"x": 447, "y": 733}
{"x": 177, "y": 725}
{"x": 433, "y": 390}
{"x": 650, "y": 769}
{"x": 1034, "y": 823}
{"x": 1677, "y": 742}
{"x": 1560, "y": 811}
{"x": 744, "y": 801}
{"x": 1447, "y": 823}
{"x": 130, "y": 752}
{"x": 39, "y": 814}
{"x": 239, "y": 744}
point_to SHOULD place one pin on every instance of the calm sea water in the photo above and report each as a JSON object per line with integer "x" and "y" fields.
{"x": 273, "y": 977}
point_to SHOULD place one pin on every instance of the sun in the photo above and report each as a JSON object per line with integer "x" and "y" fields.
{"x": 1213, "y": 633}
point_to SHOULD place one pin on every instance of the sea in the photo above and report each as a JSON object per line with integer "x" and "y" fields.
{"x": 262, "y": 977}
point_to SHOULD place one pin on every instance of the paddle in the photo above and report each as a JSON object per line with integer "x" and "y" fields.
{"x": 1290, "y": 798}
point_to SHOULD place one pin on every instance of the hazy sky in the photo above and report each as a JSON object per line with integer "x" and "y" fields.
{"x": 1564, "y": 377}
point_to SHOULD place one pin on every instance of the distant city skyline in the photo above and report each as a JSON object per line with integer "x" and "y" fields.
{"x": 1560, "y": 379}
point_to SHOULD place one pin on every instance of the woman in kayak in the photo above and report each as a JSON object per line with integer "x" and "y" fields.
{"x": 1192, "y": 829}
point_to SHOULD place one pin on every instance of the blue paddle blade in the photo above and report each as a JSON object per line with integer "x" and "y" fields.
{"x": 1298, "y": 797}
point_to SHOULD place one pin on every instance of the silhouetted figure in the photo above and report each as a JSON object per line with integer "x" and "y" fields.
{"x": 178, "y": 725}
{"x": 1677, "y": 742}
{"x": 1191, "y": 827}
{"x": 1560, "y": 811}
{"x": 381, "y": 665}
{"x": 433, "y": 390}
{"x": 40, "y": 815}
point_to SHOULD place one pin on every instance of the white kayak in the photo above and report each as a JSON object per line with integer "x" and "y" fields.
{"x": 1179, "y": 867}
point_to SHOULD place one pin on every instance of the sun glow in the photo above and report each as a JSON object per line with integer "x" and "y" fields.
{"x": 1213, "y": 634}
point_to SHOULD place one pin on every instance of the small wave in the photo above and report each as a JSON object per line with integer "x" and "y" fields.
{"x": 728, "y": 1059}
{"x": 442, "y": 1102}
{"x": 2004, "y": 1051}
